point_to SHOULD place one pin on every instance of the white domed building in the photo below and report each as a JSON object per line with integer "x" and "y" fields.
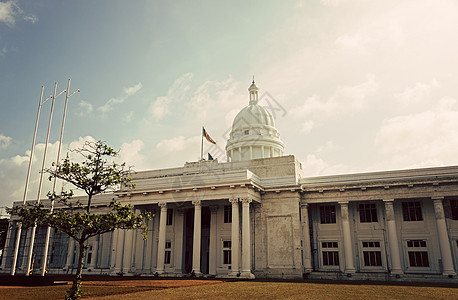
{"x": 254, "y": 133}
{"x": 256, "y": 216}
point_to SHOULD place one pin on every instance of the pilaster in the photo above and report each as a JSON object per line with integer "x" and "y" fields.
{"x": 395, "y": 255}
{"x": 197, "y": 237}
{"x": 444, "y": 242}
{"x": 348, "y": 249}
{"x": 162, "y": 236}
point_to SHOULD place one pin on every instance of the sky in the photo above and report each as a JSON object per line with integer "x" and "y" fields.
{"x": 354, "y": 85}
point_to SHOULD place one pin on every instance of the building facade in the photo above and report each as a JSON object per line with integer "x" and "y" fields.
{"x": 257, "y": 216}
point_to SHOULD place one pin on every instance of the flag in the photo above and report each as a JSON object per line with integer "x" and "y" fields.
{"x": 207, "y": 136}
{"x": 210, "y": 157}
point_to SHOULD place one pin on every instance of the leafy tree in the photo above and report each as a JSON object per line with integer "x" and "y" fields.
{"x": 95, "y": 175}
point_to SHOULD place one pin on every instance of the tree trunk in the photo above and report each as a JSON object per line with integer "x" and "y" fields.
{"x": 75, "y": 290}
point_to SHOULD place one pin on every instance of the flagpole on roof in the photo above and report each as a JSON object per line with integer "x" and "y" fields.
{"x": 202, "y": 144}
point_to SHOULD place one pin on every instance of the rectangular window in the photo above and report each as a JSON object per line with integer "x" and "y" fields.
{"x": 418, "y": 253}
{"x": 411, "y": 211}
{"x": 368, "y": 213}
{"x": 372, "y": 254}
{"x": 330, "y": 252}
{"x": 168, "y": 252}
{"x": 227, "y": 214}
{"x": 328, "y": 214}
{"x": 454, "y": 207}
{"x": 227, "y": 252}
{"x": 169, "y": 216}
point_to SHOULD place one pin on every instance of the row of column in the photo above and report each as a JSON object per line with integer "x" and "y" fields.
{"x": 245, "y": 270}
{"x": 393, "y": 242}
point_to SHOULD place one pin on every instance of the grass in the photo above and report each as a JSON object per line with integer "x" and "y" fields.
{"x": 241, "y": 290}
{"x": 294, "y": 290}
{"x": 58, "y": 292}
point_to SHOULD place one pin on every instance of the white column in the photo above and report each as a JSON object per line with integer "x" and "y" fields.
{"x": 137, "y": 260}
{"x": 127, "y": 255}
{"x": 197, "y": 237}
{"x": 348, "y": 249}
{"x": 235, "y": 240}
{"x": 119, "y": 251}
{"x": 392, "y": 237}
{"x": 178, "y": 245}
{"x": 232, "y": 155}
{"x": 240, "y": 153}
{"x": 444, "y": 242}
{"x": 246, "y": 240}
{"x": 95, "y": 247}
{"x": 147, "y": 265}
{"x": 251, "y": 152}
{"x": 271, "y": 151}
{"x": 262, "y": 152}
{"x": 70, "y": 251}
{"x": 162, "y": 236}
{"x": 306, "y": 249}
{"x": 114, "y": 242}
{"x": 213, "y": 228}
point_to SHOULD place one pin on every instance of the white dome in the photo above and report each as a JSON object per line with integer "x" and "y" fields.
{"x": 254, "y": 133}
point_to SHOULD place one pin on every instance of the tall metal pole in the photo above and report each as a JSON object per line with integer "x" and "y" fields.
{"x": 34, "y": 228}
{"x": 19, "y": 229}
{"x": 48, "y": 231}
{"x": 202, "y": 144}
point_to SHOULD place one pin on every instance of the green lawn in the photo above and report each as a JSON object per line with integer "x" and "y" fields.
{"x": 243, "y": 290}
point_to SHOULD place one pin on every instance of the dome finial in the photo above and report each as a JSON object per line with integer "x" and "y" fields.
{"x": 253, "y": 89}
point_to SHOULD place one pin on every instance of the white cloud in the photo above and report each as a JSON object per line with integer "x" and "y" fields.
{"x": 128, "y": 92}
{"x": 176, "y": 93}
{"x": 13, "y": 171}
{"x": 344, "y": 100}
{"x": 417, "y": 95}
{"x": 178, "y": 143}
{"x": 84, "y": 108}
{"x": 5, "y": 141}
{"x": 3, "y": 52}
{"x": 160, "y": 107}
{"x": 8, "y": 12}
{"x": 421, "y": 138}
{"x": 315, "y": 166}
{"x": 130, "y": 154}
{"x": 31, "y": 18}
{"x": 133, "y": 89}
{"x": 307, "y": 126}
{"x": 128, "y": 117}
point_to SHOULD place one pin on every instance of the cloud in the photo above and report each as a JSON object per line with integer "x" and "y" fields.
{"x": 3, "y": 52}
{"x": 130, "y": 154}
{"x": 160, "y": 107}
{"x": 84, "y": 108}
{"x": 13, "y": 171}
{"x": 178, "y": 143}
{"x": 133, "y": 89}
{"x": 307, "y": 126}
{"x": 31, "y": 18}
{"x": 8, "y": 12}
{"x": 344, "y": 100}
{"x": 176, "y": 93}
{"x": 421, "y": 138}
{"x": 128, "y": 92}
{"x": 416, "y": 95}
{"x": 128, "y": 117}
{"x": 5, "y": 141}
{"x": 315, "y": 166}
